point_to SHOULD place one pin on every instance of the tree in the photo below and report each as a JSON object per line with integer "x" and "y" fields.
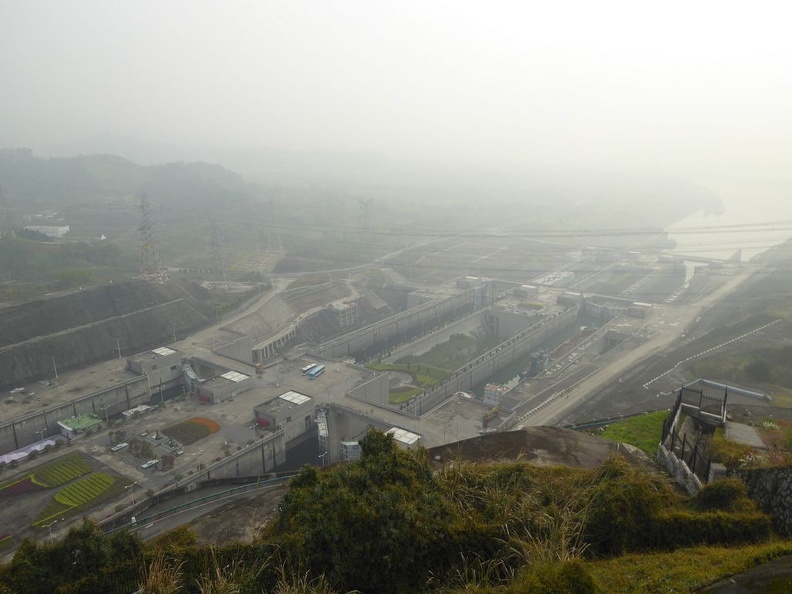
{"x": 361, "y": 524}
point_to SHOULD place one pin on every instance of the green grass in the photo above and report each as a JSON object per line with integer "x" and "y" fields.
{"x": 61, "y": 471}
{"x": 681, "y": 571}
{"x": 782, "y": 399}
{"x": 403, "y": 395}
{"x": 643, "y": 432}
{"x": 84, "y": 494}
{"x": 6, "y": 541}
{"x": 420, "y": 374}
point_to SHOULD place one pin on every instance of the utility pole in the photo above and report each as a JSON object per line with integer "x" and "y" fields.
{"x": 54, "y": 367}
{"x": 118, "y": 344}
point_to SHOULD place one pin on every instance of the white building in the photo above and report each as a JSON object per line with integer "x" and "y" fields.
{"x": 49, "y": 230}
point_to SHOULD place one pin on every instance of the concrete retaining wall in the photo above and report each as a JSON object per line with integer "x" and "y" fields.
{"x": 678, "y": 470}
{"x": 260, "y": 457}
{"x": 467, "y": 325}
{"x": 105, "y": 403}
{"x": 344, "y": 424}
{"x": 376, "y": 391}
{"x": 487, "y": 364}
{"x": 771, "y": 488}
{"x": 395, "y": 327}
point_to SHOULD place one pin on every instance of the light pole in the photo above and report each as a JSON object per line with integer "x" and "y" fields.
{"x": 54, "y": 367}
{"x": 41, "y": 433}
{"x": 49, "y": 526}
{"x": 132, "y": 491}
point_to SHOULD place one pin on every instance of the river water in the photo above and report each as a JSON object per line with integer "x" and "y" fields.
{"x": 756, "y": 216}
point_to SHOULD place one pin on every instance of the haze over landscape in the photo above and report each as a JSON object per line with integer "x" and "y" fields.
{"x": 246, "y": 239}
{"x": 679, "y": 87}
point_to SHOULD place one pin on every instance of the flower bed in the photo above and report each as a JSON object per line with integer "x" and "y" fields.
{"x": 191, "y": 430}
{"x": 20, "y": 486}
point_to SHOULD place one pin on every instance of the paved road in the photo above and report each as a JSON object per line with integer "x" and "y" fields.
{"x": 669, "y": 321}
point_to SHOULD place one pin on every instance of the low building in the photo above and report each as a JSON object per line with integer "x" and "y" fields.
{"x": 404, "y": 438}
{"x": 224, "y": 387}
{"x": 80, "y": 426}
{"x": 526, "y": 292}
{"x": 640, "y": 309}
{"x": 493, "y": 393}
{"x": 350, "y": 450}
{"x": 290, "y": 412}
{"x": 162, "y": 365}
{"x": 346, "y": 314}
{"x": 49, "y": 230}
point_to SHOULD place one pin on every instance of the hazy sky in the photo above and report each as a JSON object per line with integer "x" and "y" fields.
{"x": 690, "y": 85}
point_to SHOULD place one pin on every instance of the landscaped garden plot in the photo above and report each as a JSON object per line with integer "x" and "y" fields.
{"x": 85, "y": 493}
{"x": 61, "y": 471}
{"x": 19, "y": 486}
{"x": 53, "y": 474}
{"x": 191, "y": 430}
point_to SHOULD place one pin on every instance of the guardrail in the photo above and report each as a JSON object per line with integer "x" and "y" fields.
{"x": 227, "y": 494}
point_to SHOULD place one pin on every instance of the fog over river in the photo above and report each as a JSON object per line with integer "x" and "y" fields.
{"x": 756, "y": 216}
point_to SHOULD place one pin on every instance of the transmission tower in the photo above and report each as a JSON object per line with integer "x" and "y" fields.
{"x": 218, "y": 254}
{"x": 365, "y": 217}
{"x": 5, "y": 217}
{"x": 150, "y": 265}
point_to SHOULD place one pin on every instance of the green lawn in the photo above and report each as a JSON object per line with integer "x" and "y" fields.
{"x": 61, "y": 471}
{"x": 684, "y": 570}
{"x": 644, "y": 431}
{"x": 81, "y": 495}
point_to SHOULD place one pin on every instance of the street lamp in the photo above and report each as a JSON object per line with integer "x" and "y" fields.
{"x": 41, "y": 433}
{"x": 132, "y": 491}
{"x": 50, "y": 527}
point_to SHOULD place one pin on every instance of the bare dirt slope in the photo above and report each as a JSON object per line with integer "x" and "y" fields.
{"x": 543, "y": 446}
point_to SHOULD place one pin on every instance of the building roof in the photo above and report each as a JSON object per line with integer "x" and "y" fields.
{"x": 295, "y": 397}
{"x": 235, "y": 376}
{"x": 284, "y": 402}
{"x": 403, "y": 436}
{"x": 163, "y": 351}
{"x": 79, "y": 422}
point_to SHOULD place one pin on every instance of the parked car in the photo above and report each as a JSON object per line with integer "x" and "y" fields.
{"x": 149, "y": 464}
{"x": 119, "y": 446}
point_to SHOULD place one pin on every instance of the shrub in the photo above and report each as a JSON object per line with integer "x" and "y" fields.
{"x": 624, "y": 500}
{"x": 730, "y": 453}
{"x": 674, "y": 529}
{"x": 567, "y": 578}
{"x": 728, "y": 494}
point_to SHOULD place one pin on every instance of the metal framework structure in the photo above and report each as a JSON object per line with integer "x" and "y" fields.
{"x": 150, "y": 265}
